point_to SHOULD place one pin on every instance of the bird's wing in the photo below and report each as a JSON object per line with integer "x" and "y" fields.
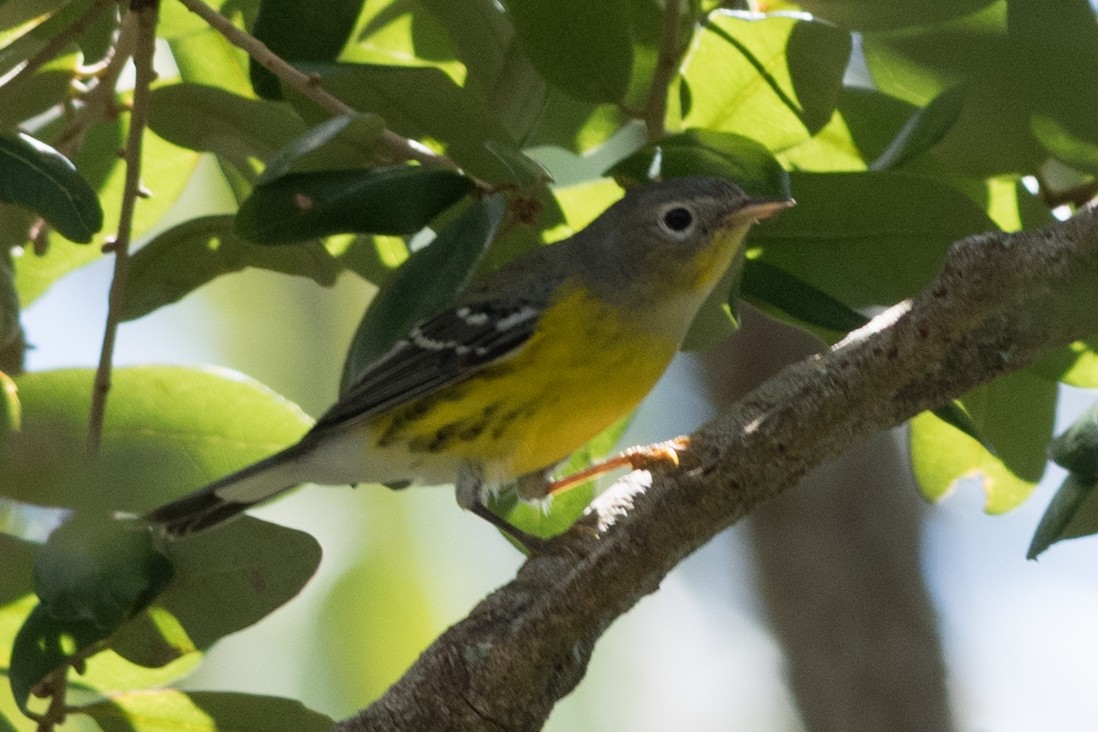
{"x": 442, "y": 350}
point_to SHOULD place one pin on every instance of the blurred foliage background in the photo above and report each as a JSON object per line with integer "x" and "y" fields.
{"x": 266, "y": 218}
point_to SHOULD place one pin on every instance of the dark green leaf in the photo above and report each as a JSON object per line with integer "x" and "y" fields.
{"x": 395, "y": 200}
{"x": 873, "y": 15}
{"x": 224, "y": 581}
{"x": 34, "y": 175}
{"x": 1062, "y": 143}
{"x": 705, "y": 152}
{"x": 955, "y": 415}
{"x": 584, "y": 48}
{"x": 564, "y": 509}
{"x": 425, "y": 284}
{"x": 168, "y": 709}
{"x": 165, "y": 171}
{"x": 1073, "y": 512}
{"x": 772, "y": 78}
{"x": 923, "y": 130}
{"x": 1075, "y": 364}
{"x": 207, "y": 119}
{"x": 169, "y": 429}
{"x": 98, "y": 570}
{"x": 301, "y": 31}
{"x": 867, "y": 238}
{"x": 195, "y": 252}
{"x": 344, "y": 142}
{"x": 43, "y": 644}
{"x": 770, "y": 288}
{"x": 1076, "y": 450}
{"x": 16, "y": 568}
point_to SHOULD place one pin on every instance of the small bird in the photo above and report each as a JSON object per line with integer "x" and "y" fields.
{"x": 525, "y": 367}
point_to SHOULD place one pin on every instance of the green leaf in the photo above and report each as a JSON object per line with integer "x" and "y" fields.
{"x": 439, "y": 110}
{"x": 870, "y": 15}
{"x": 1075, "y": 364}
{"x": 400, "y": 199}
{"x": 583, "y": 48}
{"x": 34, "y": 175}
{"x": 1063, "y": 144}
{"x": 168, "y": 710}
{"x": 1014, "y": 413}
{"x": 16, "y": 568}
{"x": 864, "y": 123}
{"x": 923, "y": 130}
{"x": 424, "y": 285}
{"x": 299, "y": 31}
{"x": 777, "y": 292}
{"x": 775, "y": 79}
{"x": 207, "y": 119}
{"x": 557, "y": 515}
{"x": 94, "y": 569}
{"x": 47, "y": 87}
{"x": 165, "y": 170}
{"x": 43, "y": 644}
{"x": 168, "y": 429}
{"x": 1019, "y": 63}
{"x": 224, "y": 581}
{"x": 1073, "y": 512}
{"x": 340, "y": 143}
{"x": 1077, "y": 449}
{"x": 195, "y": 252}
{"x": 867, "y": 238}
{"x": 705, "y": 152}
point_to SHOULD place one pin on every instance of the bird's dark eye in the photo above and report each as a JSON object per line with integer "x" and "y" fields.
{"x": 678, "y": 219}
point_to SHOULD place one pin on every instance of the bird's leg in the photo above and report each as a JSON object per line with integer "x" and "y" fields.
{"x": 470, "y": 496}
{"x": 635, "y": 458}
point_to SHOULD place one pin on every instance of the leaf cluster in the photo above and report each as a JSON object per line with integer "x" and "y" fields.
{"x": 442, "y": 124}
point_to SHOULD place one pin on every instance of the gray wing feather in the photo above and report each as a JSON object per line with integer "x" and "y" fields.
{"x": 440, "y": 351}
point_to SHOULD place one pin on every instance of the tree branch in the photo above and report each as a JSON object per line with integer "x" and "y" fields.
{"x": 145, "y": 22}
{"x": 309, "y": 85}
{"x": 655, "y": 108}
{"x": 999, "y": 301}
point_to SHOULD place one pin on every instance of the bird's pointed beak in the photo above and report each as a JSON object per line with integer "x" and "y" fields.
{"x": 757, "y": 209}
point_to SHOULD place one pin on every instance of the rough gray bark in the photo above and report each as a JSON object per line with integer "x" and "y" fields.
{"x": 999, "y": 301}
{"x": 838, "y": 563}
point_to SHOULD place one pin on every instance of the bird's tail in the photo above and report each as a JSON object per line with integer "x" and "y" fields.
{"x": 229, "y": 497}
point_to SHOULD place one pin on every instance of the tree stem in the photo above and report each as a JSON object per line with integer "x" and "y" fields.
{"x": 144, "y": 20}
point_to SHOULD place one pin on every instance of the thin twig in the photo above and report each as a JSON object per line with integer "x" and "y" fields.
{"x": 99, "y": 102}
{"x": 655, "y": 109}
{"x": 55, "y": 44}
{"x": 145, "y": 21}
{"x": 307, "y": 84}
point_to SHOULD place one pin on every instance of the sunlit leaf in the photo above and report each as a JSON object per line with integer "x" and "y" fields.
{"x": 1015, "y": 414}
{"x": 772, "y": 78}
{"x": 168, "y": 710}
{"x": 168, "y": 430}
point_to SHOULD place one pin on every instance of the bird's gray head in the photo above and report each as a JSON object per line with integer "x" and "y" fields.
{"x": 686, "y": 231}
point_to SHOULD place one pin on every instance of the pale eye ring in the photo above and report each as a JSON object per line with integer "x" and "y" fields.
{"x": 677, "y": 220}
